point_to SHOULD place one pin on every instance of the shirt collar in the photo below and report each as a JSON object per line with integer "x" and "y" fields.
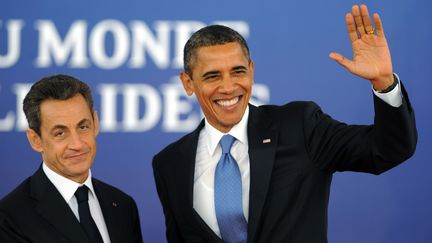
{"x": 239, "y": 131}
{"x": 65, "y": 186}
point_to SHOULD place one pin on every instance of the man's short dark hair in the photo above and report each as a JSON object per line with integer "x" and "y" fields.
{"x": 57, "y": 87}
{"x": 210, "y": 36}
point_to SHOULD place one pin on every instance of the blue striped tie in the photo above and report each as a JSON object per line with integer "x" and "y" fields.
{"x": 228, "y": 196}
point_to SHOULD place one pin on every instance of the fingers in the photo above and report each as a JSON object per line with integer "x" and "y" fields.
{"x": 378, "y": 24}
{"x": 358, "y": 19}
{"x": 362, "y": 21}
{"x": 366, "y": 19}
{"x": 352, "y": 32}
{"x": 348, "y": 64}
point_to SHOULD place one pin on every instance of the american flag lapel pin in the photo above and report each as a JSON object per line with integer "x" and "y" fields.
{"x": 267, "y": 140}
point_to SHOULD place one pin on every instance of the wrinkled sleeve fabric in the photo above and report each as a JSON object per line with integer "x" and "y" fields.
{"x": 336, "y": 146}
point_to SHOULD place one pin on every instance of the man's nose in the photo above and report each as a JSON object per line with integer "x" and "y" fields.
{"x": 227, "y": 84}
{"x": 75, "y": 141}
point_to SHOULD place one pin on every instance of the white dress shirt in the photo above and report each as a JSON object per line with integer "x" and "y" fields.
{"x": 207, "y": 156}
{"x": 209, "y": 151}
{"x": 67, "y": 189}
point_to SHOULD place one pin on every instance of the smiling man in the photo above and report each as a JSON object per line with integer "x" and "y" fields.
{"x": 263, "y": 174}
{"x": 61, "y": 202}
{"x": 222, "y": 82}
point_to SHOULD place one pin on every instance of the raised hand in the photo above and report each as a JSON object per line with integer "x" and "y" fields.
{"x": 372, "y": 58}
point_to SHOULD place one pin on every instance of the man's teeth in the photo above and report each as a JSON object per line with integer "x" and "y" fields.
{"x": 228, "y": 102}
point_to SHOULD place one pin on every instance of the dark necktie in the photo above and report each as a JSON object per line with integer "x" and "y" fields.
{"x": 86, "y": 219}
{"x": 228, "y": 196}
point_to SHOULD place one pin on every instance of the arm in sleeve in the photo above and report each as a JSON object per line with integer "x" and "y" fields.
{"x": 336, "y": 146}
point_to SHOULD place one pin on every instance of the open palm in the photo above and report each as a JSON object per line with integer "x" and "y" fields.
{"x": 371, "y": 58}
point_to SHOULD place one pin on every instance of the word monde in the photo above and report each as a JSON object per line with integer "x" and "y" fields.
{"x": 108, "y": 44}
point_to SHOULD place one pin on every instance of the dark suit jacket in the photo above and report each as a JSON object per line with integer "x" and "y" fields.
{"x": 36, "y": 212}
{"x": 290, "y": 176}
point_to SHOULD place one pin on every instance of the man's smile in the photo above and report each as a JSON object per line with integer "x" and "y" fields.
{"x": 228, "y": 102}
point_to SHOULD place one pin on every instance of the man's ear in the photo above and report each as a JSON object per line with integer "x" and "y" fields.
{"x": 34, "y": 139}
{"x": 187, "y": 83}
{"x": 96, "y": 122}
{"x": 251, "y": 68}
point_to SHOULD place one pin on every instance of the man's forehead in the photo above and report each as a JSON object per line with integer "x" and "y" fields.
{"x": 219, "y": 48}
{"x": 231, "y": 51}
{"x": 70, "y": 111}
{"x": 76, "y": 100}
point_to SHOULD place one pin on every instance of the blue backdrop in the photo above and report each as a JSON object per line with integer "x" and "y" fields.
{"x": 130, "y": 53}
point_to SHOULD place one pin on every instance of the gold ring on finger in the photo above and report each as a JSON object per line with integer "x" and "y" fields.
{"x": 370, "y": 31}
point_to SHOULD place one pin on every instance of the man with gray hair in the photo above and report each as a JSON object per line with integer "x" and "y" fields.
{"x": 61, "y": 201}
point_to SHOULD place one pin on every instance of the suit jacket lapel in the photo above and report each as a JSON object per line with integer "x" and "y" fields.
{"x": 51, "y": 206}
{"x": 187, "y": 152}
{"x": 110, "y": 214}
{"x": 262, "y": 137}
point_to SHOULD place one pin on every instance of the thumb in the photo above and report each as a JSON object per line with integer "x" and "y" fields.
{"x": 341, "y": 60}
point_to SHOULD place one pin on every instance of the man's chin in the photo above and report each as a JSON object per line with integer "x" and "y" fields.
{"x": 230, "y": 122}
{"x": 79, "y": 167}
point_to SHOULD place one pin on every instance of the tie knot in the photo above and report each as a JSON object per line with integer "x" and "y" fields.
{"x": 226, "y": 142}
{"x": 81, "y": 194}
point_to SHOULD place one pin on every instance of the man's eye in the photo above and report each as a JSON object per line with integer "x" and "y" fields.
{"x": 84, "y": 127}
{"x": 59, "y": 134}
{"x": 239, "y": 72}
{"x": 211, "y": 77}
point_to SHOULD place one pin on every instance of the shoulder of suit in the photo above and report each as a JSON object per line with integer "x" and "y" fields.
{"x": 17, "y": 196}
{"x": 103, "y": 187}
{"x": 289, "y": 105}
{"x": 176, "y": 147}
{"x": 288, "y": 110}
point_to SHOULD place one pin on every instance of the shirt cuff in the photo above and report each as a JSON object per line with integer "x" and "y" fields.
{"x": 393, "y": 97}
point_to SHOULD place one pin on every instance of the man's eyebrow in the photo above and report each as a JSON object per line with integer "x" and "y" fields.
{"x": 209, "y": 73}
{"x": 84, "y": 120}
{"x": 58, "y": 126}
{"x": 239, "y": 68}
